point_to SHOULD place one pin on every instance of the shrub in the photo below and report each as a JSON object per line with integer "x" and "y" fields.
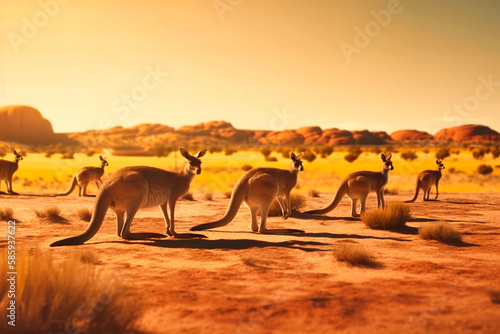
{"x": 266, "y": 151}
{"x": 230, "y": 151}
{"x": 313, "y": 193}
{"x": 440, "y": 231}
{"x": 53, "y": 297}
{"x": 351, "y": 157}
{"x": 227, "y": 194}
{"x": 484, "y": 169}
{"x": 442, "y": 153}
{"x": 187, "y": 197}
{"x": 51, "y": 214}
{"x": 297, "y": 202}
{"x": 354, "y": 255}
{"x": 392, "y": 217}
{"x": 495, "y": 152}
{"x": 207, "y": 196}
{"x": 308, "y": 156}
{"x": 494, "y": 296}
{"x": 409, "y": 155}
{"x": 393, "y": 191}
{"x": 7, "y": 214}
{"x": 478, "y": 154}
{"x": 246, "y": 167}
{"x": 84, "y": 214}
{"x": 271, "y": 159}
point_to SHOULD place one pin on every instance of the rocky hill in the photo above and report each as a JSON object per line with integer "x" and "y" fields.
{"x": 23, "y": 124}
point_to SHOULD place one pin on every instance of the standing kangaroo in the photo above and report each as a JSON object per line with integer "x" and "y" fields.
{"x": 426, "y": 180}
{"x": 131, "y": 188}
{"x": 258, "y": 188}
{"x": 86, "y": 175}
{"x": 358, "y": 185}
{"x": 7, "y": 169}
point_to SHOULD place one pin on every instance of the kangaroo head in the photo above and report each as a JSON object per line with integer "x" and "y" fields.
{"x": 387, "y": 161}
{"x": 440, "y": 164}
{"x": 104, "y": 162}
{"x": 18, "y": 155}
{"x": 193, "y": 161}
{"x": 296, "y": 164}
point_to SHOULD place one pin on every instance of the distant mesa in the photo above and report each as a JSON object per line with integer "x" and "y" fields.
{"x": 26, "y": 125}
{"x": 469, "y": 132}
{"x": 411, "y": 135}
{"x": 23, "y": 124}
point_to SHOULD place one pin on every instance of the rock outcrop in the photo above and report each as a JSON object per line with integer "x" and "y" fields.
{"x": 469, "y": 132}
{"x": 25, "y": 125}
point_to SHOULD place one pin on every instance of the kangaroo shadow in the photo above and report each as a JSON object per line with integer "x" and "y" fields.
{"x": 302, "y": 215}
{"x": 234, "y": 244}
{"x": 150, "y": 235}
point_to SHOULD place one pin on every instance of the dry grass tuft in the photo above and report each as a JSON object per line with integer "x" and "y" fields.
{"x": 207, "y": 196}
{"x": 297, "y": 202}
{"x": 313, "y": 193}
{"x": 187, "y": 197}
{"x": 440, "y": 231}
{"x": 52, "y": 297}
{"x": 7, "y": 214}
{"x": 392, "y": 217}
{"x": 51, "y": 214}
{"x": 227, "y": 194}
{"x": 84, "y": 214}
{"x": 494, "y": 296}
{"x": 355, "y": 255}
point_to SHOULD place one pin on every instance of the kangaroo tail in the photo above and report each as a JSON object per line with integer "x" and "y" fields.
{"x": 102, "y": 204}
{"x": 416, "y": 193}
{"x": 237, "y": 197}
{"x": 335, "y": 201}
{"x": 73, "y": 185}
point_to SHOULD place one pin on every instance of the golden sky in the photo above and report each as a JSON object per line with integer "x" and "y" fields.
{"x": 259, "y": 64}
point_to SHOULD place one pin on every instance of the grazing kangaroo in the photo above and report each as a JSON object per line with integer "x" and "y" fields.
{"x": 86, "y": 175}
{"x": 258, "y": 188}
{"x": 426, "y": 180}
{"x": 7, "y": 170}
{"x": 131, "y": 188}
{"x": 358, "y": 185}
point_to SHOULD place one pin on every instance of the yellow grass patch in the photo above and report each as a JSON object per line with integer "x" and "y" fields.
{"x": 393, "y": 216}
{"x": 440, "y": 231}
{"x": 52, "y": 297}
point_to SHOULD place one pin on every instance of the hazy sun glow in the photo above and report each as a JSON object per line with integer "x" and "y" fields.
{"x": 380, "y": 65}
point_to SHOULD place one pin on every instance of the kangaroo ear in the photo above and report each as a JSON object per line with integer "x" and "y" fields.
{"x": 292, "y": 156}
{"x": 382, "y": 156}
{"x": 201, "y": 153}
{"x": 14, "y": 151}
{"x": 184, "y": 153}
{"x": 100, "y": 158}
{"x": 388, "y": 156}
{"x": 299, "y": 155}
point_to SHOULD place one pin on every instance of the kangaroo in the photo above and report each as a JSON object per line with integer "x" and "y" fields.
{"x": 426, "y": 180}
{"x": 7, "y": 170}
{"x": 258, "y": 188}
{"x": 358, "y": 185}
{"x": 86, "y": 175}
{"x": 131, "y": 188}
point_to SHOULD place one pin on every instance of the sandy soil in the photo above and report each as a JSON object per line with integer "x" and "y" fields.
{"x": 236, "y": 281}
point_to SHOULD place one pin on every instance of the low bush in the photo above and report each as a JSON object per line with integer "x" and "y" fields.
{"x": 7, "y": 214}
{"x": 392, "y": 217}
{"x": 440, "y": 231}
{"x": 84, "y": 214}
{"x": 73, "y": 295}
{"x": 484, "y": 169}
{"x": 354, "y": 255}
{"x": 51, "y": 214}
{"x": 297, "y": 202}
